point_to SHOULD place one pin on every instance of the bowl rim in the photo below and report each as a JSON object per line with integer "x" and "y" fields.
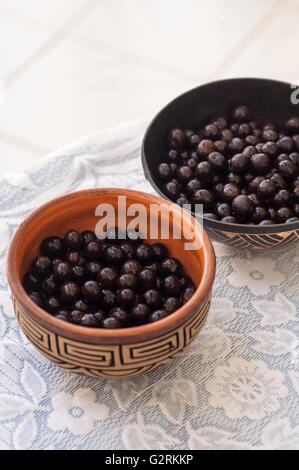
{"x": 88, "y": 334}
{"x": 216, "y": 224}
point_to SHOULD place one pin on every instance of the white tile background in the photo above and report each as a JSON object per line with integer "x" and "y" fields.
{"x": 73, "y": 66}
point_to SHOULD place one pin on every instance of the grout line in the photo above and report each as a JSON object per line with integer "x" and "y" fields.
{"x": 60, "y": 33}
{"x": 23, "y": 143}
{"x": 251, "y": 37}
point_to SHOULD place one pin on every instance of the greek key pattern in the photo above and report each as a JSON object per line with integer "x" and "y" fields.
{"x": 112, "y": 360}
{"x": 255, "y": 241}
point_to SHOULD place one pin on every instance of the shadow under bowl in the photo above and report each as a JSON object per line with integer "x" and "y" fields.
{"x": 268, "y": 100}
{"x": 99, "y": 352}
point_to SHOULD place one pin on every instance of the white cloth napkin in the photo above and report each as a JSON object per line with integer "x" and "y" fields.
{"x": 237, "y": 385}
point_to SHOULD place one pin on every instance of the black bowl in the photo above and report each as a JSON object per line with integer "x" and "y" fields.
{"x": 268, "y": 100}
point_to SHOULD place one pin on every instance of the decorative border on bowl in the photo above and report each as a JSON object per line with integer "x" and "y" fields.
{"x": 119, "y": 360}
{"x": 254, "y": 240}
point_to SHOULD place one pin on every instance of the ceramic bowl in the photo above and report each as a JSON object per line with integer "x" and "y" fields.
{"x": 98, "y": 352}
{"x": 269, "y": 100}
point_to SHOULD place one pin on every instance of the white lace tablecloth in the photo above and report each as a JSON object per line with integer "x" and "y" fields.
{"x": 237, "y": 385}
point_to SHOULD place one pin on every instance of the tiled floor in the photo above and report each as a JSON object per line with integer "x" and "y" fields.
{"x": 73, "y": 66}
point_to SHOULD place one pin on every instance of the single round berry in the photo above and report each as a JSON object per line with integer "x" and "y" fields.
{"x": 217, "y": 160}
{"x": 147, "y": 278}
{"x": 164, "y": 171}
{"x": 128, "y": 281}
{"x": 157, "y": 315}
{"x": 171, "y": 286}
{"x": 113, "y": 255}
{"x": 211, "y": 131}
{"x": 223, "y": 210}
{"x": 184, "y": 173}
{"x": 204, "y": 170}
{"x": 31, "y": 282}
{"x": 41, "y": 265}
{"x": 52, "y": 247}
{"x": 91, "y": 292}
{"x": 108, "y": 276}
{"x": 87, "y": 236}
{"x": 152, "y": 298}
{"x": 111, "y": 323}
{"x": 126, "y": 297}
{"x": 144, "y": 253}
{"x": 171, "y": 189}
{"x": 238, "y": 164}
{"x": 49, "y": 284}
{"x": 187, "y": 293}
{"x": 260, "y": 163}
{"x": 287, "y": 168}
{"x": 241, "y": 114}
{"x": 131, "y": 267}
{"x": 170, "y": 266}
{"x": 139, "y": 313}
{"x": 120, "y": 314}
{"x": 176, "y": 138}
{"x": 160, "y": 251}
{"x": 242, "y": 206}
{"x": 266, "y": 188}
{"x": 230, "y": 191}
{"x": 93, "y": 250}
{"x": 171, "y": 304}
{"x": 205, "y": 147}
{"x": 62, "y": 272}
{"x": 204, "y": 197}
{"x": 52, "y": 304}
{"x": 72, "y": 240}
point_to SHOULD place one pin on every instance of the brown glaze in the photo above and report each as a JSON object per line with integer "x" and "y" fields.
{"x": 77, "y": 210}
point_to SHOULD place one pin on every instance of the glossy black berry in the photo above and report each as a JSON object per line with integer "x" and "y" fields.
{"x": 242, "y": 206}
{"x": 157, "y": 315}
{"x": 126, "y": 297}
{"x": 152, "y": 298}
{"x": 139, "y": 313}
{"x": 41, "y": 265}
{"x": 171, "y": 304}
{"x": 52, "y": 304}
{"x": 170, "y": 266}
{"x": 91, "y": 291}
{"x": 128, "y": 281}
{"x": 120, "y": 314}
{"x": 113, "y": 255}
{"x": 52, "y": 247}
{"x": 131, "y": 267}
{"x": 31, "y": 282}
{"x": 108, "y": 277}
{"x": 72, "y": 240}
{"x": 62, "y": 272}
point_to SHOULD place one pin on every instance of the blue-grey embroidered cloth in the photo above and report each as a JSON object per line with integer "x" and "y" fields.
{"x": 237, "y": 385}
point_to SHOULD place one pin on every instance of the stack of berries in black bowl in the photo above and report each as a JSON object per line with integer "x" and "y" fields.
{"x": 111, "y": 283}
{"x": 240, "y": 170}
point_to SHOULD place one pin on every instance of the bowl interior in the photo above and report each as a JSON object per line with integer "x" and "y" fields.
{"x": 77, "y": 210}
{"x": 268, "y": 100}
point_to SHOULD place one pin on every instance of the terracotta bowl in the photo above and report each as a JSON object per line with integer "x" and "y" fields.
{"x": 269, "y": 100}
{"x": 98, "y": 352}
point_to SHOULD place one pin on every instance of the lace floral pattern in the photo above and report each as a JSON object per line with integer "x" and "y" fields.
{"x": 235, "y": 387}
